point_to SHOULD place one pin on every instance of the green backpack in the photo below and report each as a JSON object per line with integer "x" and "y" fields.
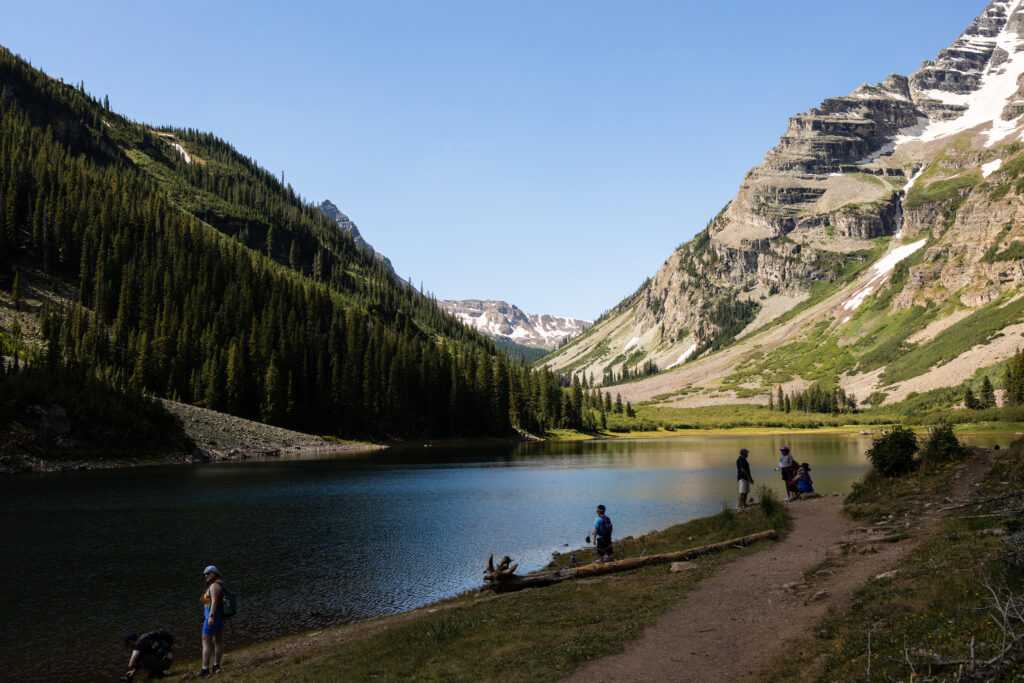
{"x": 228, "y": 601}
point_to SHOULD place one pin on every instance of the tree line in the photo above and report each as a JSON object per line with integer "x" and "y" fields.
{"x": 817, "y": 398}
{"x": 214, "y": 284}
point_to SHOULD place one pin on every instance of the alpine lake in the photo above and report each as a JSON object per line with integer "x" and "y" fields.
{"x": 306, "y": 544}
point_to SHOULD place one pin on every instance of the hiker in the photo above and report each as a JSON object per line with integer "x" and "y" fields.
{"x": 786, "y": 463}
{"x": 744, "y": 478}
{"x": 802, "y": 480}
{"x": 213, "y": 621}
{"x": 602, "y": 532}
{"x": 151, "y": 651}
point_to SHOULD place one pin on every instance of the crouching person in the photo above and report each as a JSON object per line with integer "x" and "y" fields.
{"x": 151, "y": 651}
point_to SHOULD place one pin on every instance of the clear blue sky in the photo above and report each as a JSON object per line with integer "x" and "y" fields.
{"x": 550, "y": 153}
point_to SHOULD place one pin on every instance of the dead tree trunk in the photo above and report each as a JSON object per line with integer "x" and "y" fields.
{"x": 502, "y": 579}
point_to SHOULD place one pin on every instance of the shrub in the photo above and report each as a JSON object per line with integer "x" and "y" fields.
{"x": 942, "y": 447}
{"x": 892, "y": 454}
{"x": 770, "y": 504}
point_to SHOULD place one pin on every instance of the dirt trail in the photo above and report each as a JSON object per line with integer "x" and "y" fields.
{"x": 731, "y": 627}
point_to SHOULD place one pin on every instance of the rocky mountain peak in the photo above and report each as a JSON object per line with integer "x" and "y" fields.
{"x": 842, "y": 176}
{"x": 502, "y": 319}
{"x": 329, "y": 209}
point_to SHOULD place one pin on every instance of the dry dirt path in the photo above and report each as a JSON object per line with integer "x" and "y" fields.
{"x": 731, "y": 627}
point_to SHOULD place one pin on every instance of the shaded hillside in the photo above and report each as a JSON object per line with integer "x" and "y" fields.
{"x": 198, "y": 276}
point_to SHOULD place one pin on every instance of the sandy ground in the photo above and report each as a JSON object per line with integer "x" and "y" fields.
{"x": 749, "y": 603}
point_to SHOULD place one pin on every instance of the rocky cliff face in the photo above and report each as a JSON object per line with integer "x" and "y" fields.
{"x": 328, "y": 208}
{"x": 936, "y": 155}
{"x": 501, "y": 319}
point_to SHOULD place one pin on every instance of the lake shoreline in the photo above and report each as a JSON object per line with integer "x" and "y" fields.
{"x": 305, "y": 446}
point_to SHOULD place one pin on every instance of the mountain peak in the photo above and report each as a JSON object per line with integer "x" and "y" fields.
{"x": 329, "y": 209}
{"x": 502, "y": 319}
{"x": 926, "y": 159}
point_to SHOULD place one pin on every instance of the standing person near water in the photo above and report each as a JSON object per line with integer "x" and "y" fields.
{"x": 213, "y": 621}
{"x": 786, "y": 463}
{"x": 602, "y": 532}
{"x": 744, "y": 479}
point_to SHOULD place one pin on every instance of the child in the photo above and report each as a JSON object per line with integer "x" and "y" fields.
{"x": 802, "y": 480}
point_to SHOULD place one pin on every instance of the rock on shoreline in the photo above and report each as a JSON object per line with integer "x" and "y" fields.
{"x": 218, "y": 438}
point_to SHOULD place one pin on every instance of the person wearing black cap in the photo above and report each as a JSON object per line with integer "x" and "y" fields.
{"x": 151, "y": 651}
{"x": 602, "y": 532}
{"x": 744, "y": 479}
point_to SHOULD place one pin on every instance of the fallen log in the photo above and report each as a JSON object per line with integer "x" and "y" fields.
{"x": 502, "y": 579}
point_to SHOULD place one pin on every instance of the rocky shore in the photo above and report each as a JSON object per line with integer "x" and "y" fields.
{"x": 218, "y": 437}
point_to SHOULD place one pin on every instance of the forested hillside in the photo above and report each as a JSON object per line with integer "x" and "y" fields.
{"x": 200, "y": 277}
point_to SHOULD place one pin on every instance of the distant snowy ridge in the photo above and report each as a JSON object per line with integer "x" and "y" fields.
{"x": 501, "y": 319}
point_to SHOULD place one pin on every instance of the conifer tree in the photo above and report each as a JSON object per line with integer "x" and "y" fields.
{"x": 970, "y": 402}
{"x": 987, "y": 397}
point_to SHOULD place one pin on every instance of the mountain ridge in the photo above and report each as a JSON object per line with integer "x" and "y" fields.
{"x": 912, "y": 159}
{"x": 505, "y": 320}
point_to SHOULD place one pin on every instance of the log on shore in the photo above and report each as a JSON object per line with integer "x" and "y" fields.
{"x": 502, "y": 579}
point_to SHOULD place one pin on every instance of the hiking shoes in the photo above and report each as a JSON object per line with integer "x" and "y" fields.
{"x": 203, "y": 673}
{"x": 215, "y": 669}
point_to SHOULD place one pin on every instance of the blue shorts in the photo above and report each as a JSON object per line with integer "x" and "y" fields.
{"x": 218, "y": 622}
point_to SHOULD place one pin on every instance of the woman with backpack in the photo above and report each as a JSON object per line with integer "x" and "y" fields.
{"x": 213, "y": 621}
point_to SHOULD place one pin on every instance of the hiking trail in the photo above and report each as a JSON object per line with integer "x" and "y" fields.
{"x": 735, "y": 623}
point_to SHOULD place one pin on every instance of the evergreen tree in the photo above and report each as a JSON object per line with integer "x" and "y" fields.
{"x": 970, "y": 402}
{"x": 987, "y": 397}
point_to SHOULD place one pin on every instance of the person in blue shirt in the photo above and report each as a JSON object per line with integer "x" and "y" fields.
{"x": 602, "y": 532}
{"x": 744, "y": 479}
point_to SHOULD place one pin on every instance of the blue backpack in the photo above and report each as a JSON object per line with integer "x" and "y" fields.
{"x": 606, "y": 528}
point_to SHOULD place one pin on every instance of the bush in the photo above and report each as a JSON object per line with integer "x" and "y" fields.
{"x": 942, "y": 447}
{"x": 770, "y": 504}
{"x": 892, "y": 454}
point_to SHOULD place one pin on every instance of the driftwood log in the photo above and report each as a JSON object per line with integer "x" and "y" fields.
{"x": 503, "y": 579}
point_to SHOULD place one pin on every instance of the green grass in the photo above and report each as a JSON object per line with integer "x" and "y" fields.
{"x": 539, "y": 634}
{"x": 940, "y": 190}
{"x": 977, "y": 328}
{"x": 745, "y": 415}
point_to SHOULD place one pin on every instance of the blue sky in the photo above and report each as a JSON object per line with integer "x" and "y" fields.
{"x": 551, "y": 154}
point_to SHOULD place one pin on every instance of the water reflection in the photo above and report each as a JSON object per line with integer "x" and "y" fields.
{"x": 308, "y": 543}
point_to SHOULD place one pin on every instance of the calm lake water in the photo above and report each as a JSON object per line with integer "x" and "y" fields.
{"x": 89, "y": 556}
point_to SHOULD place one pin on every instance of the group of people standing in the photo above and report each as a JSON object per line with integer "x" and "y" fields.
{"x": 795, "y": 476}
{"x": 153, "y": 651}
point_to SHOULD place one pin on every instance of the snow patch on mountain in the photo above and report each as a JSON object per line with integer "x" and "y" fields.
{"x": 879, "y": 272}
{"x": 990, "y": 168}
{"x": 683, "y": 356}
{"x": 502, "y": 319}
